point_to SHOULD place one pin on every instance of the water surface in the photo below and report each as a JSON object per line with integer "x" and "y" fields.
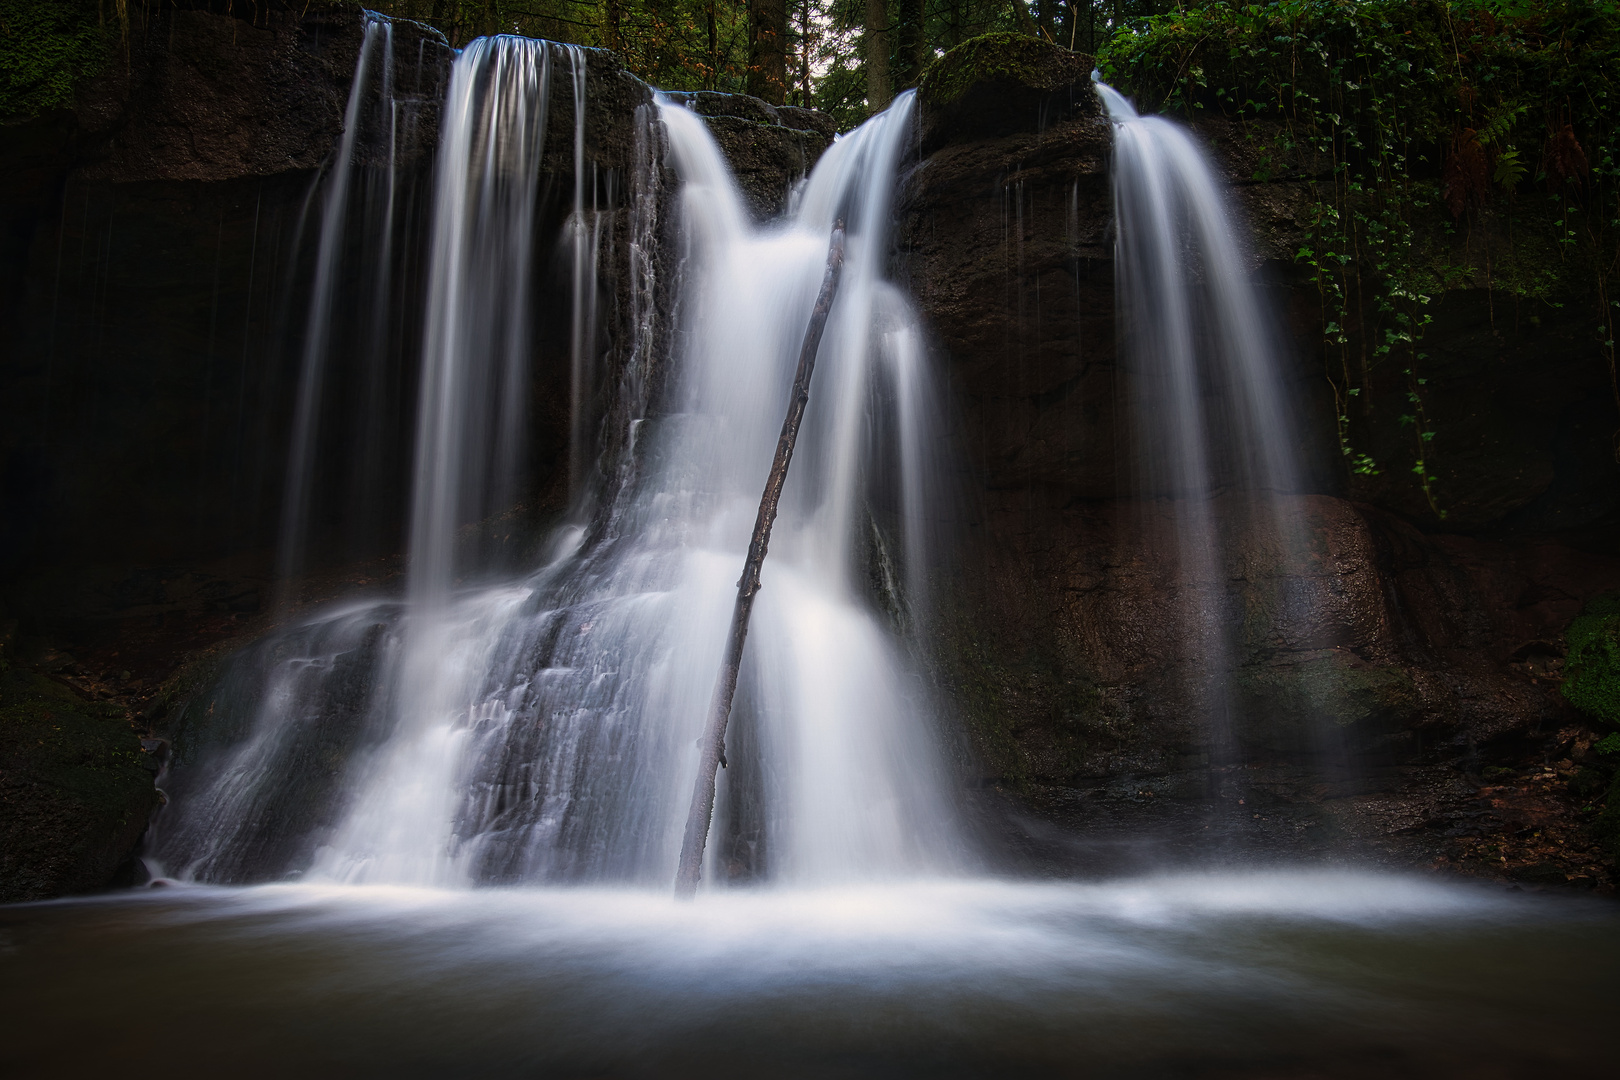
{"x": 1259, "y": 975}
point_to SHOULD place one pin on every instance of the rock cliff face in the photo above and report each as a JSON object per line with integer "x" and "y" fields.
{"x": 152, "y": 247}
{"x": 1366, "y": 689}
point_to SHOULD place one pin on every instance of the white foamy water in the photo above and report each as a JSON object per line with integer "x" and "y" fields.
{"x": 544, "y": 729}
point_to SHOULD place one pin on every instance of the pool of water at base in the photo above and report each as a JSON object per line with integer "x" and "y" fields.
{"x": 1256, "y": 975}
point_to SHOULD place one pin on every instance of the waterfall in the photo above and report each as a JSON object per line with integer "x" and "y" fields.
{"x": 317, "y": 331}
{"x": 342, "y": 482}
{"x": 584, "y": 243}
{"x": 477, "y": 338}
{"x": 542, "y": 729}
{"x": 1213, "y": 435}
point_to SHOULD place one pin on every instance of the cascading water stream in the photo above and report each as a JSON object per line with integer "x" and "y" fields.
{"x": 477, "y": 336}
{"x": 1212, "y": 431}
{"x": 379, "y": 38}
{"x": 344, "y": 476}
{"x": 543, "y": 730}
{"x": 585, "y": 244}
{"x": 474, "y": 380}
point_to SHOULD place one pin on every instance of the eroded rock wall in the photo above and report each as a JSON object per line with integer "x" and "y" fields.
{"x": 1396, "y": 642}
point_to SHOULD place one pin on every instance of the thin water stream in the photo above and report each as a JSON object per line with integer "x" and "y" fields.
{"x": 1212, "y": 426}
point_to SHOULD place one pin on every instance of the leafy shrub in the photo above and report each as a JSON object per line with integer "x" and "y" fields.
{"x": 1410, "y": 122}
{"x": 1592, "y": 670}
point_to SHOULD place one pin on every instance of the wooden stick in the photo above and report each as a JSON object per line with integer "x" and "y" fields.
{"x": 725, "y": 688}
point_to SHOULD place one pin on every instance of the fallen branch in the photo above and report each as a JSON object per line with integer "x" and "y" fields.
{"x": 714, "y": 734}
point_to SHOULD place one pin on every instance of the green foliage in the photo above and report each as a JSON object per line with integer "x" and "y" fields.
{"x": 1509, "y": 168}
{"x": 1592, "y": 669}
{"x": 1609, "y": 745}
{"x": 1411, "y": 123}
{"x": 1603, "y": 604}
{"x": 46, "y": 47}
{"x": 704, "y": 44}
{"x": 673, "y": 44}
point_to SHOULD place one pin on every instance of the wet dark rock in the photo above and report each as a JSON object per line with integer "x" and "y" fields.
{"x": 158, "y": 233}
{"x": 1005, "y": 246}
{"x": 792, "y": 116}
{"x": 712, "y": 103}
{"x": 75, "y": 789}
{"x": 1076, "y": 659}
{"x": 212, "y": 97}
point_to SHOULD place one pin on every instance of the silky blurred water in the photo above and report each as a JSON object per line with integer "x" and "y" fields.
{"x": 1284, "y": 974}
{"x": 542, "y": 729}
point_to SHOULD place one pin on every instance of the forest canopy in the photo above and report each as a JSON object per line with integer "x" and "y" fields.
{"x": 845, "y": 57}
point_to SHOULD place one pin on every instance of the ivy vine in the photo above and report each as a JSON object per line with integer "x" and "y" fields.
{"x": 1413, "y": 126}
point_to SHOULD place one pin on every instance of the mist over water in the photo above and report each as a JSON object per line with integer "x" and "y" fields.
{"x": 1329, "y": 975}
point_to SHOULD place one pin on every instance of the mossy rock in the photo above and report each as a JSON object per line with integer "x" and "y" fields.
{"x": 1000, "y": 57}
{"x": 1002, "y": 84}
{"x": 76, "y": 789}
{"x": 1605, "y": 828}
{"x": 1592, "y": 670}
{"x": 47, "y": 47}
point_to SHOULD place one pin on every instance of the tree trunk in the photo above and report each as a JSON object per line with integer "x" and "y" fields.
{"x": 878, "y": 93}
{"x": 806, "y": 44}
{"x": 611, "y": 36}
{"x": 1026, "y": 22}
{"x": 767, "y": 50}
{"x": 713, "y": 80}
{"x": 912, "y": 53}
{"x": 701, "y": 813}
{"x": 1046, "y": 18}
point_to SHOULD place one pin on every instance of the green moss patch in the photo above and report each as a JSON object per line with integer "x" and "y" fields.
{"x": 1281, "y": 705}
{"x": 1001, "y": 57}
{"x": 1592, "y": 670}
{"x": 46, "y": 48}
